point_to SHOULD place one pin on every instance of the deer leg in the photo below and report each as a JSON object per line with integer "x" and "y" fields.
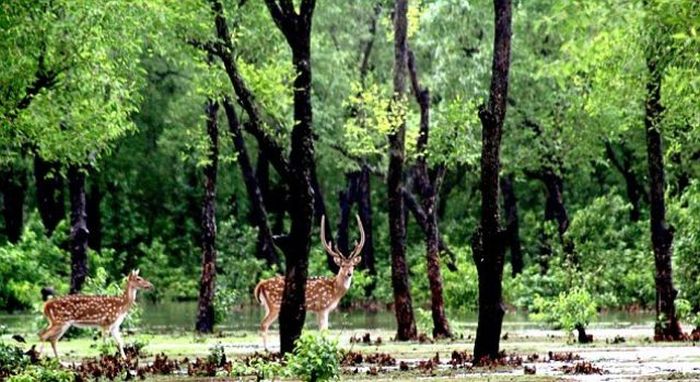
{"x": 270, "y": 317}
{"x": 59, "y": 332}
{"x": 120, "y": 342}
{"x": 52, "y": 334}
{"x": 322, "y": 317}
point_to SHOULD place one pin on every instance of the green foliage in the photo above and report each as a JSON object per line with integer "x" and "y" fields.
{"x": 685, "y": 216}
{"x": 35, "y": 261}
{"x": 50, "y": 370}
{"x": 567, "y": 311}
{"x": 315, "y": 358}
{"x": 12, "y": 360}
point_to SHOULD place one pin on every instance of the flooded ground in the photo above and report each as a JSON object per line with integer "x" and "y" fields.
{"x": 622, "y": 346}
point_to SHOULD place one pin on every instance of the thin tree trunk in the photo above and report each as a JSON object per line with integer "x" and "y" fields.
{"x": 364, "y": 207}
{"x": 14, "y": 188}
{"x": 634, "y": 189}
{"x": 428, "y": 190}
{"x": 346, "y": 198}
{"x": 265, "y": 246}
{"x": 667, "y": 326}
{"x": 403, "y": 304}
{"x": 94, "y": 215}
{"x": 487, "y": 243}
{"x": 49, "y": 192}
{"x": 79, "y": 233}
{"x": 207, "y": 282}
{"x": 320, "y": 210}
{"x": 512, "y": 232}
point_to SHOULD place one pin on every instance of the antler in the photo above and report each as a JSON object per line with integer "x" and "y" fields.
{"x": 358, "y": 246}
{"x": 327, "y": 246}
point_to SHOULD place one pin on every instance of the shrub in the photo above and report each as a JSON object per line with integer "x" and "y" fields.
{"x": 35, "y": 261}
{"x": 684, "y": 213}
{"x": 315, "y": 358}
{"x": 12, "y": 360}
{"x": 47, "y": 371}
{"x": 568, "y": 311}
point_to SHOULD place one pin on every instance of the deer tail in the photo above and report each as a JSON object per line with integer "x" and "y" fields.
{"x": 258, "y": 291}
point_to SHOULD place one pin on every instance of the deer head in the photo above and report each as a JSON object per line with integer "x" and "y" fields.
{"x": 346, "y": 263}
{"x": 137, "y": 282}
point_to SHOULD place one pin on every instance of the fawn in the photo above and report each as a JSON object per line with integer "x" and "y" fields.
{"x": 322, "y": 293}
{"x": 104, "y": 312}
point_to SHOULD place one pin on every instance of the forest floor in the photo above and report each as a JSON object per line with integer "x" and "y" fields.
{"x": 616, "y": 354}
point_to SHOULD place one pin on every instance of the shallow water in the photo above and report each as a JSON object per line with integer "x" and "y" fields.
{"x": 180, "y": 316}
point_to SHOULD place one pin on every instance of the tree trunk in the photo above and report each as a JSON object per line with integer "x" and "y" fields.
{"x": 265, "y": 244}
{"x": 364, "y": 207}
{"x": 487, "y": 244}
{"x": 49, "y": 192}
{"x": 320, "y": 210}
{"x": 441, "y": 327}
{"x": 403, "y": 304}
{"x": 14, "y": 189}
{"x": 667, "y": 326}
{"x": 94, "y": 215}
{"x": 428, "y": 190}
{"x": 79, "y": 233}
{"x": 554, "y": 210}
{"x": 583, "y": 338}
{"x": 274, "y": 198}
{"x": 207, "y": 282}
{"x": 346, "y": 198}
{"x": 296, "y": 28}
{"x": 512, "y": 231}
{"x": 634, "y": 189}
{"x": 301, "y": 203}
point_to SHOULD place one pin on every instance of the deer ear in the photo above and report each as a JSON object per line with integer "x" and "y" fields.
{"x": 356, "y": 260}
{"x": 338, "y": 260}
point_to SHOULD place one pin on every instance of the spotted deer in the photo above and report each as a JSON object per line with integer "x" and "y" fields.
{"x": 104, "y": 312}
{"x": 322, "y": 293}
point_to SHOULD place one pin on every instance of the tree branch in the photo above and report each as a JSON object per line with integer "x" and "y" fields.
{"x": 422, "y": 220}
{"x": 245, "y": 97}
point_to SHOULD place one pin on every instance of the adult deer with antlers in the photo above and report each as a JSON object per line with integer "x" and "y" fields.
{"x": 322, "y": 293}
{"x": 104, "y": 312}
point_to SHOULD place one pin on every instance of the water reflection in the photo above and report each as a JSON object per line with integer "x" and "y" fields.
{"x": 170, "y": 316}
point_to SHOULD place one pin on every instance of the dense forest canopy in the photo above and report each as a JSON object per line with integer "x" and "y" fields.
{"x": 202, "y": 142}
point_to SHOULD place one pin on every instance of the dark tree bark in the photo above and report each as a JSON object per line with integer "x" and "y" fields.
{"x": 421, "y": 218}
{"x": 296, "y": 27}
{"x": 364, "y": 207}
{"x": 79, "y": 233}
{"x": 428, "y": 188}
{"x": 319, "y": 211}
{"x": 453, "y": 178}
{"x": 298, "y": 171}
{"x": 13, "y": 182}
{"x": 207, "y": 282}
{"x": 583, "y": 338}
{"x": 555, "y": 209}
{"x": 512, "y": 231}
{"x": 49, "y": 192}
{"x": 274, "y": 197}
{"x": 265, "y": 249}
{"x": 403, "y": 304}
{"x": 667, "y": 326}
{"x": 346, "y": 198}
{"x": 487, "y": 243}
{"x": 94, "y": 215}
{"x": 624, "y": 165}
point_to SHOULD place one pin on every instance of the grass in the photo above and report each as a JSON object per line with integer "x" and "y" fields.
{"x": 625, "y": 360}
